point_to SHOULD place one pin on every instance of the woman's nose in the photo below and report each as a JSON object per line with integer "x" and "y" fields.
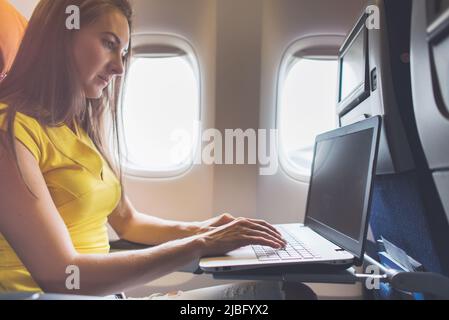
{"x": 118, "y": 67}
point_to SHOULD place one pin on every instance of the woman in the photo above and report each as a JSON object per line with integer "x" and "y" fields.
{"x": 58, "y": 185}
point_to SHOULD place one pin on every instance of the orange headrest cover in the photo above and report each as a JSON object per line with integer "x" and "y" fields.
{"x": 12, "y": 28}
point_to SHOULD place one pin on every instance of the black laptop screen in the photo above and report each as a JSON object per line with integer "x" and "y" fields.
{"x": 339, "y": 182}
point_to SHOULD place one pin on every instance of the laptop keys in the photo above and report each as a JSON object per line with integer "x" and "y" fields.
{"x": 294, "y": 250}
{"x": 265, "y": 254}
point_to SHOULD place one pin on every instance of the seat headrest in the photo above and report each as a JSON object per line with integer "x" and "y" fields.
{"x": 12, "y": 28}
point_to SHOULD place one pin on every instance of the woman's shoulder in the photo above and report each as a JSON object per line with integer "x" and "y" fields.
{"x": 27, "y": 130}
{"x": 20, "y": 119}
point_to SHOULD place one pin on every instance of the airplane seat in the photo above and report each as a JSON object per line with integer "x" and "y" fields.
{"x": 12, "y": 28}
{"x": 430, "y": 92}
{"x": 419, "y": 220}
{"x": 430, "y": 84}
{"x": 405, "y": 210}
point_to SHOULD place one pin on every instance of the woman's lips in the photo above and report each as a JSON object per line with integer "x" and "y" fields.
{"x": 104, "y": 80}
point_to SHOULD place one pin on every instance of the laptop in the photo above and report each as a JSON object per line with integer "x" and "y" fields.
{"x": 337, "y": 211}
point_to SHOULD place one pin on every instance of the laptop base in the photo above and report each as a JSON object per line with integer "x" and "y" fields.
{"x": 326, "y": 274}
{"x": 282, "y": 269}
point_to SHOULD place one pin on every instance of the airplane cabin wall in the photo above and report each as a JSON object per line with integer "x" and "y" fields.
{"x": 237, "y": 101}
{"x": 189, "y": 197}
{"x": 281, "y": 198}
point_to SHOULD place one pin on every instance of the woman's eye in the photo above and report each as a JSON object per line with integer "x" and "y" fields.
{"x": 108, "y": 44}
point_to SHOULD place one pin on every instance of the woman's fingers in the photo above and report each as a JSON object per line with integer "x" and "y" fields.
{"x": 266, "y": 224}
{"x": 223, "y": 219}
{"x": 262, "y": 241}
{"x": 241, "y": 232}
{"x": 265, "y": 228}
{"x": 261, "y": 234}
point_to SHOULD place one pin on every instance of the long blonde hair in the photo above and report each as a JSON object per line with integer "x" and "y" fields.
{"x": 40, "y": 84}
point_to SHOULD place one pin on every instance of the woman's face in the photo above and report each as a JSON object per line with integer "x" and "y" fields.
{"x": 99, "y": 50}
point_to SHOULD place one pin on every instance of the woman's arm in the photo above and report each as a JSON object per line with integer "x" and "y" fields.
{"x": 137, "y": 227}
{"x": 35, "y": 230}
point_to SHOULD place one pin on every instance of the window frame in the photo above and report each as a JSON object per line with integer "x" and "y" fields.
{"x": 321, "y": 47}
{"x": 153, "y": 45}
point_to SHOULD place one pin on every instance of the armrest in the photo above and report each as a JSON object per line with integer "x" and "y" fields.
{"x": 119, "y": 245}
{"x": 431, "y": 283}
{"x": 427, "y": 282}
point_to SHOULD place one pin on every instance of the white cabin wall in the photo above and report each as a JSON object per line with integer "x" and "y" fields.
{"x": 237, "y": 103}
{"x": 280, "y": 198}
{"x": 188, "y": 197}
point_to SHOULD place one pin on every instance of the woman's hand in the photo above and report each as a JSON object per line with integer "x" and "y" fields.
{"x": 214, "y": 222}
{"x": 238, "y": 233}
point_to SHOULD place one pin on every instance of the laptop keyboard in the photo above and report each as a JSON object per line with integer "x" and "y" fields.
{"x": 294, "y": 250}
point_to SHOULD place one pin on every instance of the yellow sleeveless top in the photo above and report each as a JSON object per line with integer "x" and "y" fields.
{"x": 83, "y": 187}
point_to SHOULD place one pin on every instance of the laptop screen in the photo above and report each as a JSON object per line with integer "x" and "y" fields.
{"x": 353, "y": 66}
{"x": 340, "y": 186}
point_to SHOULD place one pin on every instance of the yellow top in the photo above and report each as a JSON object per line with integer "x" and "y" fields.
{"x": 83, "y": 187}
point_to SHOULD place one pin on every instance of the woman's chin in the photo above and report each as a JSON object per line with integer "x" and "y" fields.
{"x": 97, "y": 94}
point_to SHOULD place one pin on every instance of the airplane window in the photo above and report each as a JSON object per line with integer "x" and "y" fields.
{"x": 160, "y": 114}
{"x": 306, "y": 109}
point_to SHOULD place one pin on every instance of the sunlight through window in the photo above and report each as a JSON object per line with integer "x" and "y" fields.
{"x": 161, "y": 99}
{"x": 306, "y": 108}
